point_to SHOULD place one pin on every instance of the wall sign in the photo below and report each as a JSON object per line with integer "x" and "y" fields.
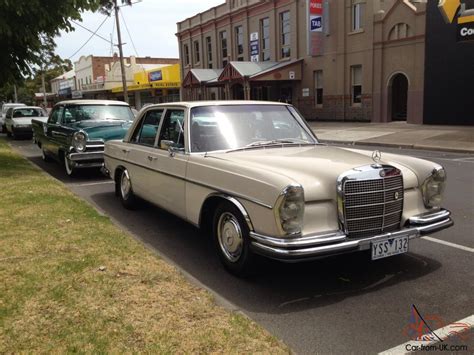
{"x": 254, "y": 47}
{"x": 155, "y": 76}
{"x": 458, "y": 10}
{"x": 317, "y": 12}
{"x": 305, "y": 92}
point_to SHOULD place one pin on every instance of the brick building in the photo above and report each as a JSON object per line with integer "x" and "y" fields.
{"x": 358, "y": 60}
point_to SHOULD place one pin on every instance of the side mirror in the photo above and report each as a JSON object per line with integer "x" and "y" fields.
{"x": 166, "y": 144}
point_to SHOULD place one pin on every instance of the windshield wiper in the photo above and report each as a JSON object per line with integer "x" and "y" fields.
{"x": 277, "y": 141}
{"x": 273, "y": 142}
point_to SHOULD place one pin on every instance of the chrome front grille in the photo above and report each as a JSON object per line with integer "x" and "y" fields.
{"x": 371, "y": 201}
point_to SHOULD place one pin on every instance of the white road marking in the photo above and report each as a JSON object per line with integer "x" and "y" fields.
{"x": 465, "y": 160}
{"x": 458, "y": 160}
{"x": 443, "y": 333}
{"x": 449, "y": 244}
{"x": 92, "y": 183}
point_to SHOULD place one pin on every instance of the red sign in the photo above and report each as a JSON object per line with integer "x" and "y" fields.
{"x": 316, "y": 7}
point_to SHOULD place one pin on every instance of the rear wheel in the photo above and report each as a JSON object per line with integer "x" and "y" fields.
{"x": 70, "y": 171}
{"x": 232, "y": 241}
{"x": 125, "y": 190}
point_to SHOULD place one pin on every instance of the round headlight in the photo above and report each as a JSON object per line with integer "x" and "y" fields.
{"x": 289, "y": 210}
{"x": 79, "y": 140}
{"x": 433, "y": 188}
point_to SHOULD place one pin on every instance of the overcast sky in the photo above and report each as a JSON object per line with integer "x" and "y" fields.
{"x": 152, "y": 26}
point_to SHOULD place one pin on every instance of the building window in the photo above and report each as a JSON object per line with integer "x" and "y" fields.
{"x": 356, "y": 84}
{"x": 318, "y": 87}
{"x": 356, "y": 15}
{"x": 197, "y": 57}
{"x": 239, "y": 43}
{"x": 285, "y": 30}
{"x": 209, "y": 52}
{"x": 186, "y": 54}
{"x": 223, "y": 40}
{"x": 265, "y": 41}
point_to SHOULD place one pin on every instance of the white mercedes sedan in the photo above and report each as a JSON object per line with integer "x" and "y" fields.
{"x": 254, "y": 176}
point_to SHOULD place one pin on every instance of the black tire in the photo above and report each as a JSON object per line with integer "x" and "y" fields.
{"x": 234, "y": 252}
{"x": 46, "y": 158}
{"x": 123, "y": 185}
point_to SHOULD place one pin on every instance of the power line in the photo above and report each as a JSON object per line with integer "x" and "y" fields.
{"x": 93, "y": 34}
{"x": 112, "y": 38}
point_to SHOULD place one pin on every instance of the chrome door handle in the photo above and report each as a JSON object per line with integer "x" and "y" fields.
{"x": 151, "y": 158}
{"x": 58, "y": 134}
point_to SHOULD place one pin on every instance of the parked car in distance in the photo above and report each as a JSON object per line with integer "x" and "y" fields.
{"x": 18, "y": 120}
{"x": 76, "y": 130}
{"x": 254, "y": 175}
{"x": 5, "y": 108}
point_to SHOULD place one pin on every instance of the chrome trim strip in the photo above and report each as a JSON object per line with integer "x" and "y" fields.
{"x": 237, "y": 204}
{"x": 194, "y": 182}
{"x": 429, "y": 217}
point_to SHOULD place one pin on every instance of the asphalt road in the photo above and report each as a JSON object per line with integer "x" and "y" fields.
{"x": 335, "y": 305}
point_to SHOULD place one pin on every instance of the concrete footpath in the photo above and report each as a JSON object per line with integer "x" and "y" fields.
{"x": 397, "y": 134}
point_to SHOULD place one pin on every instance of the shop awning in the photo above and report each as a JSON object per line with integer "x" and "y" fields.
{"x": 201, "y": 76}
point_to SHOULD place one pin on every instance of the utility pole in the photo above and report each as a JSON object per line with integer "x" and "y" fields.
{"x": 15, "y": 95}
{"x": 43, "y": 85}
{"x": 122, "y": 66}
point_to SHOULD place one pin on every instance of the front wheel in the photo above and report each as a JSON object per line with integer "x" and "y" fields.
{"x": 125, "y": 191}
{"x": 68, "y": 165}
{"x": 232, "y": 241}
{"x": 45, "y": 156}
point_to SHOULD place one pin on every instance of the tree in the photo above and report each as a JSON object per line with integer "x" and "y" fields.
{"x": 25, "y": 27}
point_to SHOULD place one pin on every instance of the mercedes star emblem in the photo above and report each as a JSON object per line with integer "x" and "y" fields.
{"x": 376, "y": 156}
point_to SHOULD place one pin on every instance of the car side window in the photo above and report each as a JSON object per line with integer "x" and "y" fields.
{"x": 172, "y": 129}
{"x": 56, "y": 115}
{"x": 146, "y": 131}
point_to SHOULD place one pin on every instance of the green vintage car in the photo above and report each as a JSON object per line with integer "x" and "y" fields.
{"x": 76, "y": 131}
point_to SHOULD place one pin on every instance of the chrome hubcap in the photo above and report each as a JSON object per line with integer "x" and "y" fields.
{"x": 125, "y": 185}
{"x": 229, "y": 235}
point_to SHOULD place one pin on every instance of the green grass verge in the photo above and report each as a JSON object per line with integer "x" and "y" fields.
{"x": 54, "y": 298}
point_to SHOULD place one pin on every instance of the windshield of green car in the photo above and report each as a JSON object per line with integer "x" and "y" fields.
{"x": 230, "y": 127}
{"x": 78, "y": 113}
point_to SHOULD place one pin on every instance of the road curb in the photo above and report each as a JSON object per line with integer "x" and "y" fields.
{"x": 399, "y": 146}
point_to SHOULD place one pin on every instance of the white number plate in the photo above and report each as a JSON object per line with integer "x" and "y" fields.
{"x": 389, "y": 247}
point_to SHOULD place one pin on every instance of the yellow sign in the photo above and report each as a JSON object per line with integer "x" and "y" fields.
{"x": 168, "y": 78}
{"x": 449, "y": 9}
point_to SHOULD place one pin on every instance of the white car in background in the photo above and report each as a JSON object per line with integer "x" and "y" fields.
{"x": 5, "y": 108}
{"x": 18, "y": 120}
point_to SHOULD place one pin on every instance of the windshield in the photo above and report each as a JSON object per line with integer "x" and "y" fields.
{"x": 244, "y": 126}
{"x": 97, "y": 113}
{"x": 28, "y": 112}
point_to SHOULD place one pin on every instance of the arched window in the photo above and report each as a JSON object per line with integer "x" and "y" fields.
{"x": 399, "y": 31}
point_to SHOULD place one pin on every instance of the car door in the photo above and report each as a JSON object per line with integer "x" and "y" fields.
{"x": 137, "y": 153}
{"x": 168, "y": 167}
{"x": 51, "y": 141}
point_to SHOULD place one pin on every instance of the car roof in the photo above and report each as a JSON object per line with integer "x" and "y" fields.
{"x": 191, "y": 104}
{"x": 23, "y": 107}
{"x": 13, "y": 104}
{"x": 93, "y": 102}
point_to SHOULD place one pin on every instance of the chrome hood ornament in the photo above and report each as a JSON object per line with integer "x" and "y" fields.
{"x": 376, "y": 157}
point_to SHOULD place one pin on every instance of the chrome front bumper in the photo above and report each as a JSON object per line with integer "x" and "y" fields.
{"x": 87, "y": 159}
{"x": 336, "y": 242}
